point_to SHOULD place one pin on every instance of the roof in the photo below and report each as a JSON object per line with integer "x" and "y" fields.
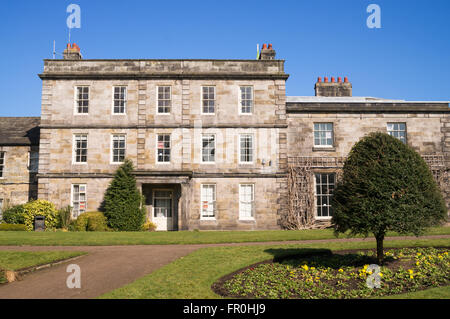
{"x": 350, "y": 99}
{"x": 19, "y": 130}
{"x": 361, "y": 104}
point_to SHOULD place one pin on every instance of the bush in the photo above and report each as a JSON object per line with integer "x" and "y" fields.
{"x": 123, "y": 201}
{"x": 14, "y": 215}
{"x": 149, "y": 226}
{"x": 386, "y": 186}
{"x": 65, "y": 217}
{"x": 40, "y": 207}
{"x": 91, "y": 221}
{"x": 12, "y": 227}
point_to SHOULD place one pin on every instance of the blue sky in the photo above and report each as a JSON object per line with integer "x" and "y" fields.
{"x": 408, "y": 58}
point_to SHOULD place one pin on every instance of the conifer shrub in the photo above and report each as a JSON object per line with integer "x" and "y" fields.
{"x": 386, "y": 186}
{"x": 123, "y": 203}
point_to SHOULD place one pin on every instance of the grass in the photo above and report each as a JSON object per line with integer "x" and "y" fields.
{"x": 191, "y": 277}
{"x": 164, "y": 238}
{"x": 17, "y": 260}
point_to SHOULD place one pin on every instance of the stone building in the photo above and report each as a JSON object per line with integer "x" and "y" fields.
{"x": 19, "y": 156}
{"x": 216, "y": 144}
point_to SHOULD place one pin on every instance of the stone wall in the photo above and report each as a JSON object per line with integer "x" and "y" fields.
{"x": 18, "y": 185}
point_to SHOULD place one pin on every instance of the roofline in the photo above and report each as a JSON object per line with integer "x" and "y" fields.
{"x": 372, "y": 107}
{"x": 170, "y": 60}
{"x": 144, "y": 76}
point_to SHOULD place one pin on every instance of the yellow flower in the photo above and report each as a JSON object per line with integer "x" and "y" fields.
{"x": 411, "y": 277}
{"x": 417, "y": 263}
{"x": 305, "y": 267}
{"x": 341, "y": 270}
{"x": 381, "y": 274}
{"x": 317, "y": 278}
{"x": 312, "y": 268}
{"x": 410, "y": 271}
{"x": 418, "y": 254}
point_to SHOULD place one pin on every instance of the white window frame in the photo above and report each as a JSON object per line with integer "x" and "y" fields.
{"x": 241, "y": 202}
{"x": 316, "y": 196}
{"x": 1, "y": 209}
{"x": 204, "y": 201}
{"x": 170, "y": 100}
{"x": 157, "y": 148}
{"x": 3, "y": 165}
{"x": 74, "y": 149}
{"x": 112, "y": 148}
{"x": 76, "y": 99}
{"x": 240, "y": 100}
{"x": 396, "y": 131}
{"x": 314, "y": 135}
{"x": 72, "y": 193}
{"x": 240, "y": 149}
{"x": 114, "y": 100}
{"x": 30, "y": 161}
{"x": 201, "y": 100}
{"x": 215, "y": 148}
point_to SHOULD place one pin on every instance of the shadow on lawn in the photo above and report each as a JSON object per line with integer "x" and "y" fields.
{"x": 295, "y": 257}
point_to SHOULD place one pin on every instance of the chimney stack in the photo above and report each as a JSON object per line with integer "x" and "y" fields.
{"x": 333, "y": 88}
{"x": 267, "y": 52}
{"x": 72, "y": 52}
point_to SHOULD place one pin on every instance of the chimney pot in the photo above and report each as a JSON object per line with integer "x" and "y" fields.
{"x": 72, "y": 52}
{"x": 325, "y": 79}
{"x": 346, "y": 80}
{"x": 339, "y": 79}
{"x": 332, "y": 79}
{"x": 267, "y": 53}
{"x": 270, "y": 46}
{"x": 264, "y": 46}
{"x": 319, "y": 79}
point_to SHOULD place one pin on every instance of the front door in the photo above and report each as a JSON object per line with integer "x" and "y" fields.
{"x": 163, "y": 209}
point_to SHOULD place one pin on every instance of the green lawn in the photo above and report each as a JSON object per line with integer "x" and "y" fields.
{"x": 191, "y": 277}
{"x": 17, "y": 260}
{"x": 164, "y": 238}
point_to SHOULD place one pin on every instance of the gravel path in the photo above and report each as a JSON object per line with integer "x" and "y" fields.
{"x": 105, "y": 268}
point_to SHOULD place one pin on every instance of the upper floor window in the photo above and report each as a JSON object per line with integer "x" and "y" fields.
{"x": 2, "y": 163}
{"x": 163, "y": 148}
{"x": 120, "y": 100}
{"x": 208, "y": 201}
{"x": 82, "y": 99}
{"x": 208, "y": 99}
{"x": 208, "y": 148}
{"x": 246, "y": 99}
{"x": 246, "y": 148}
{"x": 80, "y": 148}
{"x": 33, "y": 165}
{"x": 323, "y": 134}
{"x": 324, "y": 183}
{"x": 79, "y": 200}
{"x": 164, "y": 99}
{"x": 118, "y": 148}
{"x": 397, "y": 130}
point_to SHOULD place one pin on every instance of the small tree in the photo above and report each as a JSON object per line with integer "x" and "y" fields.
{"x": 386, "y": 186}
{"x": 123, "y": 201}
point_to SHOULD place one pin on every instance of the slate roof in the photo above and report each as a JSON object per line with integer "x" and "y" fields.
{"x": 19, "y": 130}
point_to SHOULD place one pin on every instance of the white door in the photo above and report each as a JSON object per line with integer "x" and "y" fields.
{"x": 163, "y": 209}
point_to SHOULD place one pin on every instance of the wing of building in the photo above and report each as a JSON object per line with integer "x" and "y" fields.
{"x": 216, "y": 144}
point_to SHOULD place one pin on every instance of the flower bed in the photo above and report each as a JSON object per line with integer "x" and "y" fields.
{"x": 340, "y": 275}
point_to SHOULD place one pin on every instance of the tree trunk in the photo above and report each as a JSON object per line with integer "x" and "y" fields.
{"x": 380, "y": 253}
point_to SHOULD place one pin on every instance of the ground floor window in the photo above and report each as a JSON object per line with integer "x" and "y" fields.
{"x": 78, "y": 200}
{"x": 246, "y": 201}
{"x": 324, "y": 183}
{"x": 208, "y": 200}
